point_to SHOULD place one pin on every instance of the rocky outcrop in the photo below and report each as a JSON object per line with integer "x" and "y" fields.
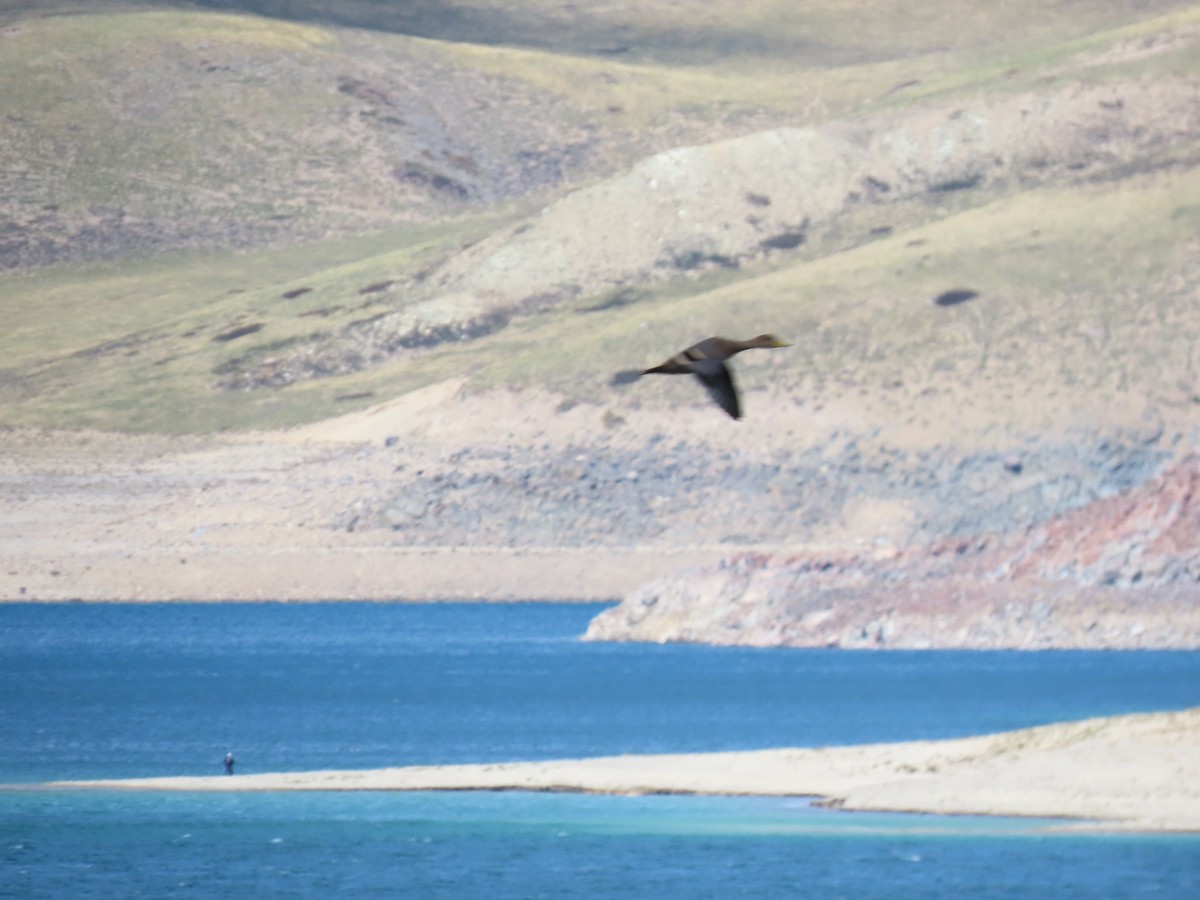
{"x": 1121, "y": 572}
{"x": 1147, "y": 536}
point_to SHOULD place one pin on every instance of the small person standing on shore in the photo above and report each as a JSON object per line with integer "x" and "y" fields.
{"x": 228, "y": 763}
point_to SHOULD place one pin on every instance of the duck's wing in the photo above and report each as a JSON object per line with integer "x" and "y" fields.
{"x": 704, "y": 353}
{"x": 679, "y": 364}
{"x": 718, "y": 381}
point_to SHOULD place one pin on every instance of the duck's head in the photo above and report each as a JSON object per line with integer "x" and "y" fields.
{"x": 768, "y": 340}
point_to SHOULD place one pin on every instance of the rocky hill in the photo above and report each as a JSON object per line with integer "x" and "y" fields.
{"x": 1121, "y": 572}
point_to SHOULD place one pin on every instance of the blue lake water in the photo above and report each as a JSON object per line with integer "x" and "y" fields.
{"x": 114, "y": 690}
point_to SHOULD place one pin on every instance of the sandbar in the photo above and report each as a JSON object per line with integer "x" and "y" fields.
{"x": 1136, "y": 772}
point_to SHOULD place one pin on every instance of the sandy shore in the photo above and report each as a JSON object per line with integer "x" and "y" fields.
{"x": 361, "y": 571}
{"x": 94, "y": 516}
{"x": 271, "y": 516}
{"x": 1138, "y": 772}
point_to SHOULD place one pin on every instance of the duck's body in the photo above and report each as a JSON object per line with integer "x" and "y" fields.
{"x": 706, "y": 360}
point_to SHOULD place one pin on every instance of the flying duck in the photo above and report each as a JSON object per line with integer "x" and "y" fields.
{"x": 706, "y": 360}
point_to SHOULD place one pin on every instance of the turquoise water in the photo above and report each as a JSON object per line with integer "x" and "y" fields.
{"x": 118, "y": 690}
{"x": 540, "y": 845}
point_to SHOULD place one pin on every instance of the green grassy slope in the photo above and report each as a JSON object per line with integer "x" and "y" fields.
{"x": 1083, "y": 293}
{"x": 1086, "y": 303}
{"x": 685, "y": 32}
{"x": 181, "y": 178}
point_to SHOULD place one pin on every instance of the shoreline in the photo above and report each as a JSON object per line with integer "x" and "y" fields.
{"x": 250, "y": 572}
{"x": 1137, "y": 772}
{"x": 344, "y": 510}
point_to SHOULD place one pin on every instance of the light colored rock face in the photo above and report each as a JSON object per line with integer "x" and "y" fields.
{"x": 1123, "y": 572}
{"x": 681, "y": 209}
{"x": 734, "y": 201}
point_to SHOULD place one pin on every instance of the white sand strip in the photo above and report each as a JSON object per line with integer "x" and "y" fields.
{"x": 1139, "y": 772}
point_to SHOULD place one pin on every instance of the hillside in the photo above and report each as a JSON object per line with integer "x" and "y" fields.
{"x": 207, "y": 202}
{"x": 358, "y": 277}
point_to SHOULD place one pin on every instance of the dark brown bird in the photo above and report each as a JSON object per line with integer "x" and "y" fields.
{"x": 706, "y": 360}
